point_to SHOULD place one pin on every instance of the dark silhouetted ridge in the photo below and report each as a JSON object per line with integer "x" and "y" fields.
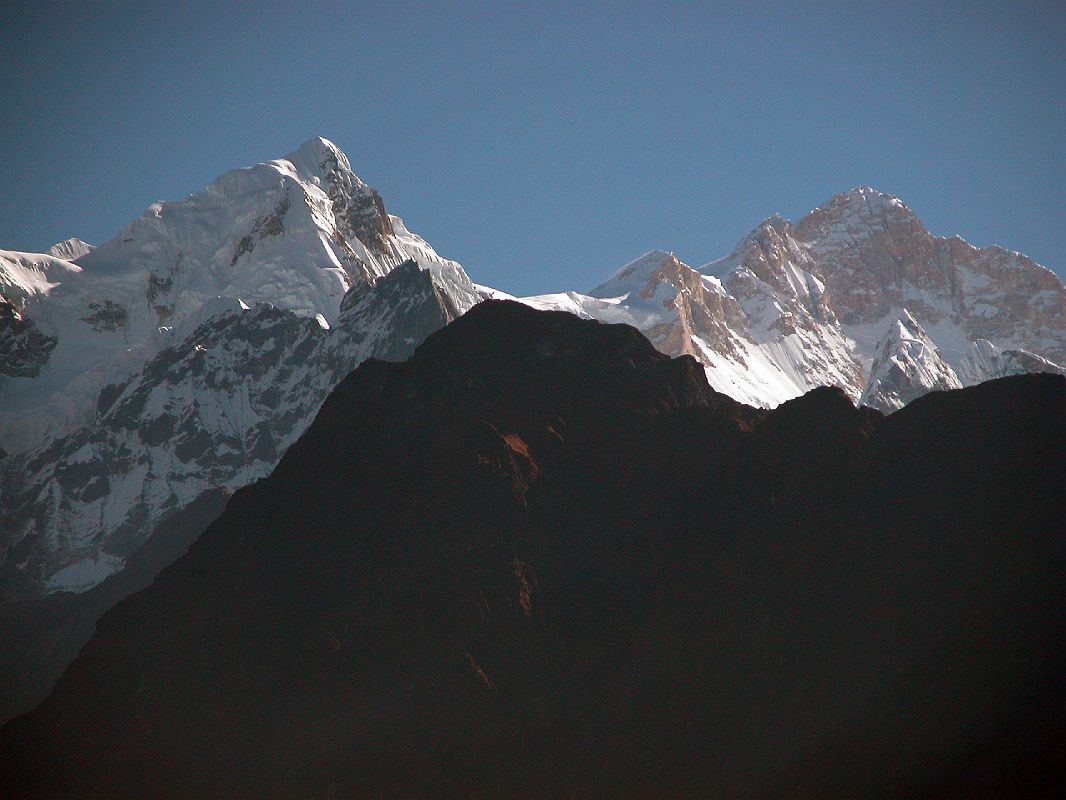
{"x": 540, "y": 559}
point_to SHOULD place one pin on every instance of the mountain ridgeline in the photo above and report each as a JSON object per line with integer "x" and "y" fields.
{"x": 542, "y": 559}
{"x": 175, "y": 364}
{"x": 188, "y": 352}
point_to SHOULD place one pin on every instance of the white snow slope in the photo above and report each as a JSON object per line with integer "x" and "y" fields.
{"x": 297, "y": 232}
{"x": 189, "y": 351}
{"x": 907, "y": 366}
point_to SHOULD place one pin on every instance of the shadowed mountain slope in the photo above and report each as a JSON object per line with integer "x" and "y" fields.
{"x": 548, "y": 561}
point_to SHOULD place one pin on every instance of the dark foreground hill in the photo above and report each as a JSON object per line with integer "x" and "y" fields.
{"x": 558, "y": 565}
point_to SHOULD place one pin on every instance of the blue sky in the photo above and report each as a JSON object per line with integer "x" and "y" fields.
{"x": 545, "y": 146}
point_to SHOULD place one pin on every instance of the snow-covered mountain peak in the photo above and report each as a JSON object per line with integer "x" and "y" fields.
{"x": 770, "y": 270}
{"x": 26, "y": 276}
{"x": 904, "y": 333}
{"x": 772, "y": 242}
{"x": 770, "y": 253}
{"x": 70, "y": 249}
{"x": 311, "y": 163}
{"x": 297, "y": 232}
{"x": 357, "y": 209}
{"x": 906, "y": 366}
{"x": 316, "y": 151}
{"x": 320, "y": 160}
{"x": 905, "y": 328}
{"x": 863, "y": 200}
{"x": 776, "y": 223}
{"x": 856, "y": 214}
{"x": 856, "y": 281}
{"x": 869, "y": 195}
{"x": 634, "y": 276}
{"x": 777, "y": 244}
{"x": 775, "y": 231}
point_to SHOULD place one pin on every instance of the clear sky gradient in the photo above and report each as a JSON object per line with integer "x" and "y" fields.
{"x": 544, "y": 147}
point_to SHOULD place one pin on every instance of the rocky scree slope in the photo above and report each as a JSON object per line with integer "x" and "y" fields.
{"x": 560, "y": 564}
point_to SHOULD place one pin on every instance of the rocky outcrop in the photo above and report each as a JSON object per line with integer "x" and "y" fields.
{"x": 358, "y": 209}
{"x": 24, "y": 349}
{"x": 692, "y": 311}
{"x": 387, "y": 320}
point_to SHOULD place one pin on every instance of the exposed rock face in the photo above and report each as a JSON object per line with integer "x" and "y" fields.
{"x": 548, "y": 561}
{"x": 876, "y": 256}
{"x": 802, "y": 305}
{"x": 683, "y": 308}
{"x": 907, "y": 366}
{"x": 106, "y": 316}
{"x": 23, "y": 348}
{"x": 188, "y": 352}
{"x": 268, "y": 225}
{"x": 296, "y": 232}
{"x": 390, "y": 318}
{"x": 358, "y": 209}
{"x": 215, "y": 410}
